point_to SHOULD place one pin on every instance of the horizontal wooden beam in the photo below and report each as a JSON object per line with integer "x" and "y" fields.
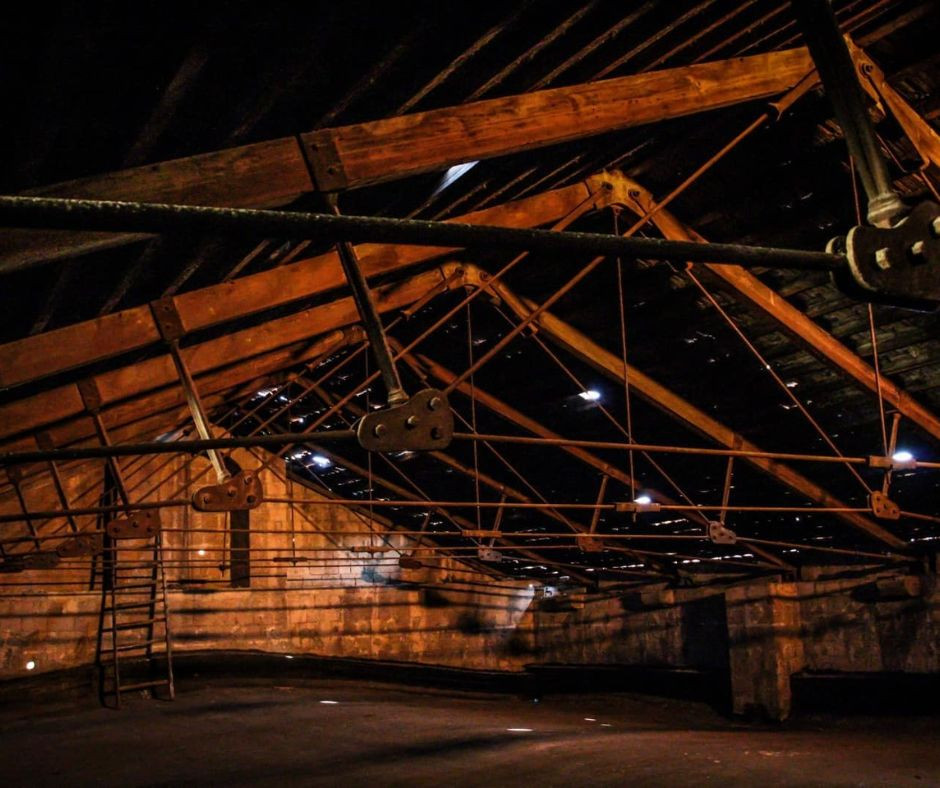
{"x": 364, "y": 153}
{"x": 581, "y": 346}
{"x": 814, "y": 338}
{"x": 266, "y": 174}
{"x": 93, "y": 341}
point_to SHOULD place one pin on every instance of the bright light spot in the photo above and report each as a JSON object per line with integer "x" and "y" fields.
{"x": 792, "y": 384}
{"x": 299, "y": 454}
{"x": 519, "y": 730}
{"x": 453, "y": 173}
{"x": 642, "y": 499}
{"x": 590, "y": 719}
{"x": 30, "y": 665}
{"x": 329, "y": 702}
{"x": 320, "y": 461}
{"x": 288, "y": 656}
{"x": 200, "y": 552}
{"x": 902, "y": 456}
{"x": 591, "y": 395}
{"x": 605, "y": 724}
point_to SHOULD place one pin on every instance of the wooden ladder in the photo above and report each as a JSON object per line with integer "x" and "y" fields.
{"x": 134, "y": 618}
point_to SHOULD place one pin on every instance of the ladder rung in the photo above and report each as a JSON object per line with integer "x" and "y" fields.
{"x": 142, "y": 685}
{"x": 131, "y": 646}
{"x": 132, "y": 605}
{"x": 135, "y": 624}
{"x": 134, "y": 585}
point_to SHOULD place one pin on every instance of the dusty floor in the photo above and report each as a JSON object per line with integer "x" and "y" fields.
{"x": 346, "y": 733}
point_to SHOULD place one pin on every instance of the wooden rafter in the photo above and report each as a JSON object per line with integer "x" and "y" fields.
{"x": 274, "y": 173}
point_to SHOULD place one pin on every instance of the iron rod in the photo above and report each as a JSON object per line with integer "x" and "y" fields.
{"x": 119, "y": 216}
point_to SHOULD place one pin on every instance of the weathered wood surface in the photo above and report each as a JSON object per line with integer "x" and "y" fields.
{"x": 356, "y": 155}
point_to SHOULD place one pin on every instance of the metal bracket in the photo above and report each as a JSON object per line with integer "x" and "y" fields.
{"x": 898, "y": 265}
{"x": 891, "y": 464}
{"x": 718, "y": 534}
{"x": 167, "y": 318}
{"x": 489, "y": 554}
{"x": 883, "y": 507}
{"x": 480, "y": 534}
{"x": 80, "y": 545}
{"x": 589, "y": 544}
{"x": 242, "y": 491}
{"x": 423, "y": 423}
{"x": 137, "y": 525}
{"x": 632, "y": 506}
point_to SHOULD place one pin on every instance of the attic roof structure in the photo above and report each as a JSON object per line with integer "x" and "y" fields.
{"x": 624, "y": 416}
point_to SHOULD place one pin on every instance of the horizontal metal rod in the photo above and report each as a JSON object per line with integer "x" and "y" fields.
{"x": 285, "y": 439}
{"x": 172, "y": 447}
{"x": 113, "y": 216}
{"x": 640, "y": 508}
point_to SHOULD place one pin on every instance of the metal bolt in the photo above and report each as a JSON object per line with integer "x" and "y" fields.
{"x": 434, "y": 403}
{"x": 230, "y": 492}
{"x": 250, "y": 498}
{"x": 437, "y": 433}
{"x": 935, "y": 226}
{"x": 917, "y": 248}
{"x": 206, "y": 498}
{"x": 882, "y": 260}
{"x": 379, "y": 430}
{"x": 412, "y": 421}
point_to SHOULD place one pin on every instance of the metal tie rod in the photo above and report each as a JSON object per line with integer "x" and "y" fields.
{"x": 113, "y": 216}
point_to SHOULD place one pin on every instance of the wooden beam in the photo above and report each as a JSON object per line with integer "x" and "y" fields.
{"x": 93, "y": 341}
{"x": 796, "y": 323}
{"x": 286, "y": 339}
{"x": 265, "y": 174}
{"x": 922, "y": 135}
{"x": 274, "y": 173}
{"x": 663, "y": 398}
{"x": 364, "y": 153}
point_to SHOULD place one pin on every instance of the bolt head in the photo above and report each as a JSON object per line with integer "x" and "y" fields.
{"x": 935, "y": 227}
{"x": 917, "y": 248}
{"x": 434, "y": 403}
{"x": 412, "y": 421}
{"x": 379, "y": 430}
{"x": 882, "y": 260}
{"x": 437, "y": 433}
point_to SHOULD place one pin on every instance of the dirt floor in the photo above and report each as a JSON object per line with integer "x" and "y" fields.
{"x": 343, "y": 733}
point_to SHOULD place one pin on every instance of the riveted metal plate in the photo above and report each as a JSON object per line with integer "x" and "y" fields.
{"x": 167, "y": 319}
{"x": 242, "y": 491}
{"x": 137, "y": 525}
{"x": 883, "y": 507}
{"x": 423, "y": 423}
{"x": 718, "y": 534}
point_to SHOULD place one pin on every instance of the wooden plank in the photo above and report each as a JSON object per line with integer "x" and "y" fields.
{"x": 612, "y": 366}
{"x": 352, "y": 156}
{"x": 248, "y": 352}
{"x": 797, "y": 324}
{"x": 63, "y": 349}
{"x": 262, "y": 175}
